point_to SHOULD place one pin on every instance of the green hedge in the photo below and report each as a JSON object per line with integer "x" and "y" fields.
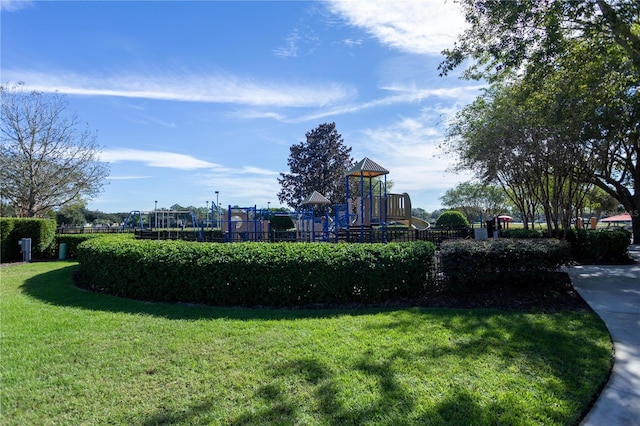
{"x": 522, "y": 233}
{"x": 255, "y": 274}
{"x": 600, "y": 245}
{"x": 473, "y": 265}
{"x": 74, "y": 240}
{"x": 41, "y": 231}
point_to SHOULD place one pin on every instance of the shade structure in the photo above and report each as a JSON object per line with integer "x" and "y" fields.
{"x": 625, "y": 217}
{"x": 316, "y": 198}
{"x": 367, "y": 168}
{"x": 505, "y": 217}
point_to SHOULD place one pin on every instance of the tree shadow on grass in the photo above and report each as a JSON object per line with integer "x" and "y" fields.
{"x": 556, "y": 346}
{"x": 391, "y": 402}
{"x": 57, "y": 288}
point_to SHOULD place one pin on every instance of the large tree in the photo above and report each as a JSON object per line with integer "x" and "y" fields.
{"x": 593, "y": 45}
{"x": 317, "y": 164}
{"x": 508, "y": 35}
{"x": 47, "y": 159}
{"x": 527, "y": 145}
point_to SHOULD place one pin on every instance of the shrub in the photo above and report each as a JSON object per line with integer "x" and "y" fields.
{"x": 473, "y": 265}
{"x": 73, "y": 240}
{"x": 250, "y": 274}
{"x": 281, "y": 222}
{"x": 41, "y": 231}
{"x": 522, "y": 233}
{"x": 452, "y": 219}
{"x": 600, "y": 245}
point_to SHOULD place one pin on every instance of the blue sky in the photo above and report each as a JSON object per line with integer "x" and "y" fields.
{"x": 192, "y": 97}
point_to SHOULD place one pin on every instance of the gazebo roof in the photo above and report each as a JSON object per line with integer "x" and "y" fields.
{"x": 367, "y": 168}
{"x": 316, "y": 198}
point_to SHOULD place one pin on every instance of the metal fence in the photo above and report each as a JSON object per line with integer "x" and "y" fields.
{"x": 354, "y": 235}
{"x": 91, "y": 230}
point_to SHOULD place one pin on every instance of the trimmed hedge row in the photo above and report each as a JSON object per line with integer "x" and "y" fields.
{"x": 522, "y": 233}
{"x": 254, "y": 274}
{"x": 41, "y": 231}
{"x": 472, "y": 265}
{"x": 600, "y": 245}
{"x": 74, "y": 240}
{"x": 587, "y": 245}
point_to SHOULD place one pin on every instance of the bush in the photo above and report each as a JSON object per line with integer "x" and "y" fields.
{"x": 452, "y": 219}
{"x": 473, "y": 265}
{"x": 522, "y": 233}
{"x": 281, "y": 222}
{"x": 250, "y": 274}
{"x": 41, "y": 231}
{"x": 600, "y": 245}
{"x": 73, "y": 240}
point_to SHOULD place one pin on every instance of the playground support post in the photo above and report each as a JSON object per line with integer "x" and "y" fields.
{"x": 218, "y": 222}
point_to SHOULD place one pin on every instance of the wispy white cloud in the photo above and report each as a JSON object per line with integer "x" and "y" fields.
{"x": 351, "y": 42}
{"x": 162, "y": 159}
{"x": 129, "y": 177}
{"x": 423, "y": 27}
{"x": 401, "y": 95}
{"x": 14, "y": 5}
{"x": 253, "y": 114}
{"x": 187, "y": 87}
{"x": 289, "y": 48}
{"x": 301, "y": 41}
{"x": 258, "y": 171}
{"x": 410, "y": 149}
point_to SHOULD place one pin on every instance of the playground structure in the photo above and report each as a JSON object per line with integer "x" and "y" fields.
{"x": 246, "y": 224}
{"x": 164, "y": 225}
{"x": 369, "y": 214}
{"x": 370, "y": 208}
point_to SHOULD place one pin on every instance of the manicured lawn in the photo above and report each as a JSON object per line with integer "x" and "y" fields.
{"x": 73, "y": 357}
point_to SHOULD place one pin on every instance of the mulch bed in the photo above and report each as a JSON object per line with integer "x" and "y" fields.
{"x": 549, "y": 297}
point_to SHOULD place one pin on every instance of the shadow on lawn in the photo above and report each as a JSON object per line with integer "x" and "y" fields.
{"x": 560, "y": 347}
{"x": 393, "y": 402}
{"x": 318, "y": 390}
{"x": 57, "y": 288}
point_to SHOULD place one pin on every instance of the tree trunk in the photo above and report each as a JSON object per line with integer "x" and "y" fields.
{"x": 635, "y": 226}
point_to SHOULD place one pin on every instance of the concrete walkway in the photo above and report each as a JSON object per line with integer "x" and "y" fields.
{"x": 614, "y": 293}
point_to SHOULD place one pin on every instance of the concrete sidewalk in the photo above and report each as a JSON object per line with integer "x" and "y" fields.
{"x": 614, "y": 293}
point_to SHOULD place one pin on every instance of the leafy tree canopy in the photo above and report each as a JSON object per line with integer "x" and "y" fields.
{"x": 317, "y": 164}
{"x": 475, "y": 199}
{"x": 576, "y": 64}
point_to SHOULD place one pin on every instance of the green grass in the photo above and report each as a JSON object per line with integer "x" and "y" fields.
{"x": 73, "y": 357}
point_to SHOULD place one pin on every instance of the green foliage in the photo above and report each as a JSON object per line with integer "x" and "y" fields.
{"x": 73, "y": 357}
{"x": 281, "y": 223}
{"x": 73, "y": 240}
{"x": 250, "y": 274}
{"x": 600, "y": 245}
{"x": 72, "y": 213}
{"x": 522, "y": 233}
{"x": 473, "y": 265}
{"x": 473, "y": 199}
{"x": 41, "y": 231}
{"x": 575, "y": 123}
{"x": 452, "y": 219}
{"x": 317, "y": 164}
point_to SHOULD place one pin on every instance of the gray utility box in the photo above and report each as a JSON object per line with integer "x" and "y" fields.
{"x": 25, "y": 248}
